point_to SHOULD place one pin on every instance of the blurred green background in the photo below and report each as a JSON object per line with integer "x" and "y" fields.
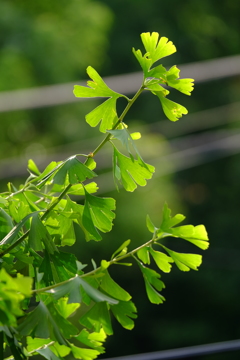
{"x": 45, "y": 43}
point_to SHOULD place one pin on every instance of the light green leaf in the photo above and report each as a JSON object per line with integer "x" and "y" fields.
{"x": 152, "y": 284}
{"x": 122, "y": 250}
{"x": 38, "y": 234}
{"x": 35, "y": 343}
{"x": 108, "y": 285}
{"x": 98, "y": 317}
{"x": 124, "y": 312}
{"x": 48, "y": 354}
{"x": 155, "y": 47}
{"x": 66, "y": 309}
{"x": 172, "y": 110}
{"x": 97, "y": 87}
{"x": 107, "y": 111}
{"x": 97, "y": 214}
{"x": 151, "y": 227}
{"x": 168, "y": 221}
{"x": 199, "y": 237}
{"x": 162, "y": 260}
{"x": 93, "y": 340}
{"x": 183, "y": 85}
{"x": 131, "y": 173}
{"x": 84, "y": 354}
{"x": 79, "y": 190}
{"x": 143, "y": 255}
{"x": 136, "y": 135}
{"x": 185, "y": 262}
{"x": 74, "y": 170}
{"x": 143, "y": 60}
{"x": 33, "y": 167}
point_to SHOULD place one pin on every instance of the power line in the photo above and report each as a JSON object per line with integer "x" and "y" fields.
{"x": 185, "y": 352}
{"x": 126, "y": 83}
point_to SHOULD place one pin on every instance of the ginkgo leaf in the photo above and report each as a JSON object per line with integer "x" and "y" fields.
{"x": 45, "y": 322}
{"x": 183, "y": 85}
{"x": 143, "y": 255}
{"x": 76, "y": 288}
{"x": 93, "y": 340}
{"x": 97, "y": 214}
{"x": 106, "y": 112}
{"x": 124, "y": 312}
{"x": 152, "y": 284}
{"x": 162, "y": 260}
{"x": 122, "y": 250}
{"x": 98, "y": 317}
{"x": 131, "y": 172}
{"x": 108, "y": 285}
{"x": 172, "y": 110}
{"x": 151, "y": 227}
{"x": 75, "y": 170}
{"x": 185, "y": 262}
{"x": 6, "y": 223}
{"x": 84, "y": 354}
{"x": 168, "y": 221}
{"x": 38, "y": 234}
{"x": 157, "y": 48}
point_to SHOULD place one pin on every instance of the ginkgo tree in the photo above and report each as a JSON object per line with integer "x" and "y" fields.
{"x": 42, "y": 285}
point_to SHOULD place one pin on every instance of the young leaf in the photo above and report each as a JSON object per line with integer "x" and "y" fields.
{"x": 155, "y": 47}
{"x": 108, "y": 285}
{"x": 98, "y": 317}
{"x": 143, "y": 255}
{"x": 6, "y": 224}
{"x": 131, "y": 173}
{"x": 151, "y": 227}
{"x": 93, "y": 340}
{"x": 84, "y": 354}
{"x": 122, "y": 250}
{"x": 124, "y": 312}
{"x": 168, "y": 221}
{"x": 185, "y": 262}
{"x": 97, "y": 214}
{"x": 105, "y": 112}
{"x": 38, "y": 234}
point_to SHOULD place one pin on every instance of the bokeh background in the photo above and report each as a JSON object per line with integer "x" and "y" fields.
{"x": 44, "y": 43}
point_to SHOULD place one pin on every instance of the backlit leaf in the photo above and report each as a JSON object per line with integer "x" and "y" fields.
{"x": 108, "y": 285}
{"x": 183, "y": 85}
{"x": 124, "y": 312}
{"x": 162, "y": 260}
{"x": 172, "y": 110}
{"x": 152, "y": 284}
{"x": 185, "y": 262}
{"x": 98, "y": 317}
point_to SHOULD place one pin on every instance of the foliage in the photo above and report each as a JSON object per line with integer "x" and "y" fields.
{"x": 41, "y": 284}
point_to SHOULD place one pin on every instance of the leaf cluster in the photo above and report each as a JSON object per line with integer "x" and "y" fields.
{"x": 42, "y": 286}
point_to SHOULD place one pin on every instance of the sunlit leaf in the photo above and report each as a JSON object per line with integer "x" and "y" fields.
{"x": 108, "y": 285}
{"x": 183, "y": 85}
{"x": 152, "y": 284}
{"x": 155, "y": 47}
{"x": 185, "y": 262}
{"x": 93, "y": 340}
{"x": 122, "y": 250}
{"x": 98, "y": 317}
{"x": 172, "y": 110}
{"x": 143, "y": 255}
{"x": 131, "y": 172}
{"x": 162, "y": 260}
{"x": 124, "y": 312}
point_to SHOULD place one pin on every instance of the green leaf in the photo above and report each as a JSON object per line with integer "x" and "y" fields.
{"x": 38, "y": 234}
{"x": 143, "y": 255}
{"x": 66, "y": 309}
{"x": 6, "y": 224}
{"x": 168, "y": 221}
{"x": 106, "y": 112}
{"x": 97, "y": 214}
{"x": 93, "y": 340}
{"x": 155, "y": 47}
{"x": 98, "y": 317}
{"x": 131, "y": 172}
{"x": 35, "y": 343}
{"x": 183, "y": 85}
{"x": 65, "y": 265}
{"x": 185, "y": 262}
{"x": 124, "y": 312}
{"x": 48, "y": 354}
{"x": 122, "y": 250}
{"x": 108, "y": 285}
{"x": 97, "y": 87}
{"x": 76, "y": 288}
{"x": 162, "y": 260}
{"x": 151, "y": 227}
{"x": 74, "y": 170}
{"x": 152, "y": 284}
{"x": 84, "y": 354}
{"x": 33, "y": 167}
{"x": 78, "y": 189}
{"x": 172, "y": 110}
{"x": 45, "y": 322}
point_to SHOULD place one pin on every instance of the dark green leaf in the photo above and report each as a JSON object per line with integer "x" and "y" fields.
{"x": 98, "y": 317}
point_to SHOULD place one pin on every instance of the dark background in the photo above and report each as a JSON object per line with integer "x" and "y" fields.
{"x": 45, "y": 43}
